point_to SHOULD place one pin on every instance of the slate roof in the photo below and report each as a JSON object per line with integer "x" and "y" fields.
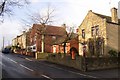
{"x": 108, "y": 18}
{"x": 63, "y": 39}
{"x": 50, "y": 30}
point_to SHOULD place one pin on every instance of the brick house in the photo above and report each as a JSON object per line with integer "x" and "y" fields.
{"x": 58, "y": 46}
{"x": 99, "y": 34}
{"x": 51, "y": 34}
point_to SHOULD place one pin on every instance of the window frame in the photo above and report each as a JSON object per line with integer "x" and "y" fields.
{"x": 83, "y": 33}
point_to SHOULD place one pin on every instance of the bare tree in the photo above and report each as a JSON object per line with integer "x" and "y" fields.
{"x": 7, "y": 7}
{"x": 43, "y": 19}
{"x": 69, "y": 35}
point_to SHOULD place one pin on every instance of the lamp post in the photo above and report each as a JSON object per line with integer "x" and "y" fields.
{"x": 3, "y": 41}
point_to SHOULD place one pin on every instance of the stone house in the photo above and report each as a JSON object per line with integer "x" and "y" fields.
{"x": 51, "y": 33}
{"x": 21, "y": 40}
{"x": 98, "y": 34}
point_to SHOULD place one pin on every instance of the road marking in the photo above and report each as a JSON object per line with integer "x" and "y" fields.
{"x": 21, "y": 65}
{"x": 71, "y": 71}
{"x": 8, "y": 58}
{"x": 26, "y": 67}
{"x": 28, "y": 59}
{"x": 82, "y": 74}
{"x": 13, "y": 61}
{"x": 1, "y": 63}
{"x": 47, "y": 77}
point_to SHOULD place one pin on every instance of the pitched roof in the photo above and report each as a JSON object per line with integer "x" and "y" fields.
{"x": 50, "y": 30}
{"x": 108, "y": 18}
{"x": 63, "y": 39}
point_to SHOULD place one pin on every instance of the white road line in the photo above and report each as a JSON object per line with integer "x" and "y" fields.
{"x": 47, "y": 77}
{"x": 71, "y": 71}
{"x": 26, "y": 67}
{"x": 13, "y": 61}
{"x": 82, "y": 74}
{"x": 1, "y": 63}
{"x": 28, "y": 59}
{"x": 21, "y": 65}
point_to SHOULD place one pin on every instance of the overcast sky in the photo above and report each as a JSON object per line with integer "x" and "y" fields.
{"x": 71, "y": 12}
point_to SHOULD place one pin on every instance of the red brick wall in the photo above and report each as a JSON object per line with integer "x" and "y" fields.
{"x": 48, "y": 38}
{"x": 74, "y": 43}
{"x": 70, "y": 44}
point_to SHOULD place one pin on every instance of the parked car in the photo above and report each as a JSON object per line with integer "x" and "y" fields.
{"x": 6, "y": 50}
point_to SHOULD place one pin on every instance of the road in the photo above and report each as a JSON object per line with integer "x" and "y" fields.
{"x": 19, "y": 66}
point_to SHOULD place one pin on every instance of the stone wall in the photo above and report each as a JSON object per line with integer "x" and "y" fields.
{"x": 112, "y": 37}
{"x": 84, "y": 64}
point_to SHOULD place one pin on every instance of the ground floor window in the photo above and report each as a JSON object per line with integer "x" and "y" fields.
{"x": 96, "y": 46}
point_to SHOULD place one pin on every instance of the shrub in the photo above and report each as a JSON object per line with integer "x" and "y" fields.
{"x": 113, "y": 53}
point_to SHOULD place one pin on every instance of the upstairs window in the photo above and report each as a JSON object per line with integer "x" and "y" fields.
{"x": 97, "y": 30}
{"x": 31, "y": 40}
{"x": 35, "y": 38}
{"x": 83, "y": 33}
{"x": 92, "y": 31}
{"x": 54, "y": 37}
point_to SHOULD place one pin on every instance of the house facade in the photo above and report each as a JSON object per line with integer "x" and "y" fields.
{"x": 58, "y": 46}
{"x": 51, "y": 33}
{"x": 22, "y": 40}
{"x": 98, "y": 34}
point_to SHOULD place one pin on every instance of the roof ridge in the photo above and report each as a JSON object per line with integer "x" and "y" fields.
{"x": 49, "y": 25}
{"x": 101, "y": 15}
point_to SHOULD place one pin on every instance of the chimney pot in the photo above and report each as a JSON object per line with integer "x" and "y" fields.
{"x": 64, "y": 26}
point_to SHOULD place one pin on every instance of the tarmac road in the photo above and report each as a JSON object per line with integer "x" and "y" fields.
{"x": 16, "y": 66}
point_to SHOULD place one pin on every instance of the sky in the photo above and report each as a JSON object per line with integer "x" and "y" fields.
{"x": 70, "y": 12}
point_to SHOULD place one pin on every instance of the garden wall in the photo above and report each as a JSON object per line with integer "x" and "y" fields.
{"x": 84, "y": 64}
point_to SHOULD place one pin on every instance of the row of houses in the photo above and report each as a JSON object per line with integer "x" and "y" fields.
{"x": 96, "y": 36}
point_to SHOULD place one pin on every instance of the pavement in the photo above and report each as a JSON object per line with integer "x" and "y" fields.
{"x": 15, "y": 66}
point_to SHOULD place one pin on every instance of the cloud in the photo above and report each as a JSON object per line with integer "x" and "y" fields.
{"x": 119, "y": 10}
{"x": 9, "y": 30}
{"x": 34, "y": 1}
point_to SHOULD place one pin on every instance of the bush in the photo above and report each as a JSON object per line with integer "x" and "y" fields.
{"x": 113, "y": 53}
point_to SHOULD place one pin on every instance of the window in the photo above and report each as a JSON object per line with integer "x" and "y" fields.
{"x": 31, "y": 40}
{"x": 92, "y": 31}
{"x": 83, "y": 33}
{"x": 97, "y": 30}
{"x": 35, "y": 38}
{"x": 54, "y": 37}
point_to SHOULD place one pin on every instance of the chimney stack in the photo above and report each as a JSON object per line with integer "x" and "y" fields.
{"x": 114, "y": 15}
{"x": 64, "y": 26}
{"x": 77, "y": 30}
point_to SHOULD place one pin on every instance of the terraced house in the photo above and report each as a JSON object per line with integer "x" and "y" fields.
{"x": 22, "y": 41}
{"x": 98, "y": 34}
